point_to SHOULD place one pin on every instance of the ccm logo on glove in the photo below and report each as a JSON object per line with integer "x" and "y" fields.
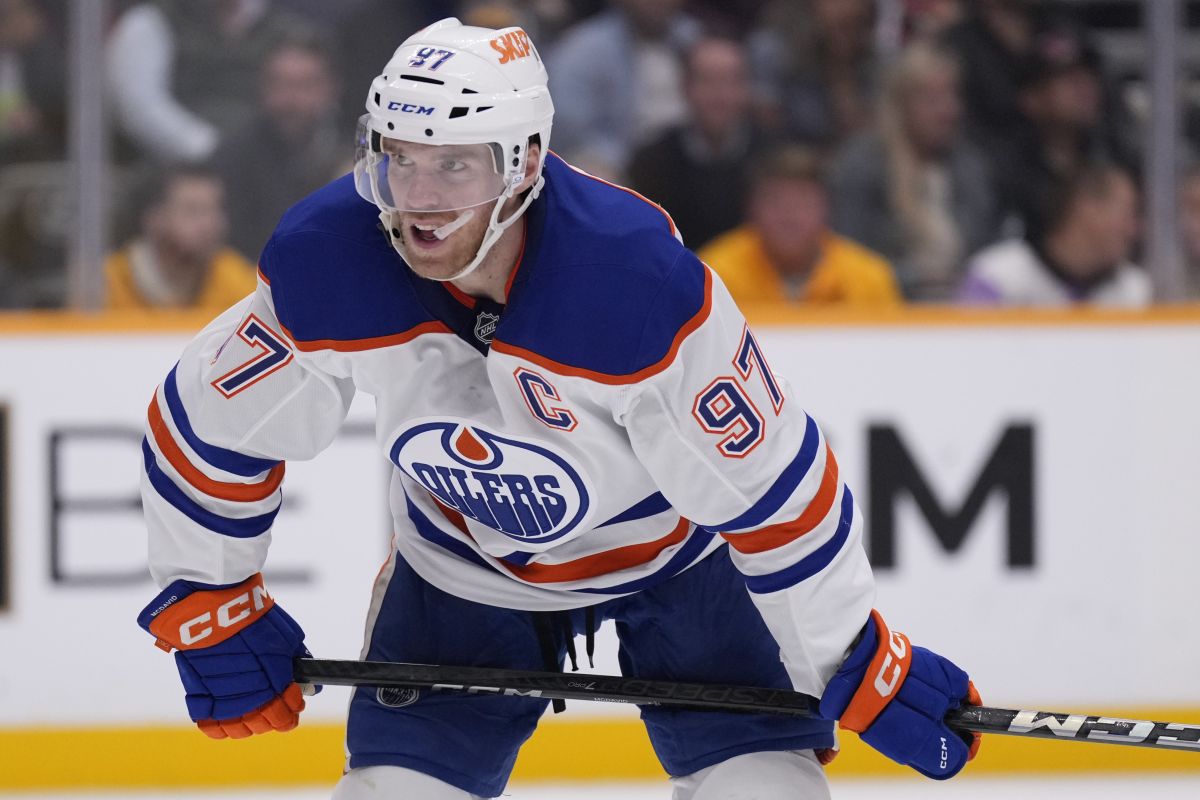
{"x": 898, "y": 646}
{"x": 889, "y": 666}
{"x": 203, "y": 619}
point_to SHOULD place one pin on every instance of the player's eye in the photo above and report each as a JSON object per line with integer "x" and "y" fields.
{"x": 453, "y": 165}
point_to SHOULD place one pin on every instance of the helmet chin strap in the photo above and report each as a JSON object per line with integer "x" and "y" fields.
{"x": 450, "y": 227}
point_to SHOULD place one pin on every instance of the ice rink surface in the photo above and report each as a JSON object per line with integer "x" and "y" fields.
{"x": 1155, "y": 787}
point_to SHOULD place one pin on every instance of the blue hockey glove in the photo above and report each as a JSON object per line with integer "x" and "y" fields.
{"x": 234, "y": 650}
{"x": 895, "y": 697}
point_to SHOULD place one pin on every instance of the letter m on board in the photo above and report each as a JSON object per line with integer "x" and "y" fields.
{"x": 1008, "y": 469}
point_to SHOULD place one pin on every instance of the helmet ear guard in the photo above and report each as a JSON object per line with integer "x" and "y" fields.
{"x": 451, "y": 84}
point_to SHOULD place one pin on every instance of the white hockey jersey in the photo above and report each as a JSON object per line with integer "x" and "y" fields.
{"x": 611, "y": 424}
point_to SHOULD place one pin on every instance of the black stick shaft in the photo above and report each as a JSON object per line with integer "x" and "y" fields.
{"x": 714, "y": 697}
{"x": 554, "y": 686}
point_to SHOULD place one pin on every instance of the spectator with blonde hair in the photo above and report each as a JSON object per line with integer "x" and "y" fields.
{"x": 785, "y": 250}
{"x": 915, "y": 190}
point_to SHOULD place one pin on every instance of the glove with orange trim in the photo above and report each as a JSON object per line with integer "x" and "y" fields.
{"x": 895, "y": 696}
{"x": 234, "y": 650}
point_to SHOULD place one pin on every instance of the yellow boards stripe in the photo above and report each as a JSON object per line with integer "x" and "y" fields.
{"x": 74, "y": 323}
{"x": 36, "y": 758}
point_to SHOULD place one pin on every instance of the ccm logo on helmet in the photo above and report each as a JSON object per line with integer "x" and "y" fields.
{"x": 409, "y": 108}
{"x": 512, "y": 46}
{"x": 228, "y": 615}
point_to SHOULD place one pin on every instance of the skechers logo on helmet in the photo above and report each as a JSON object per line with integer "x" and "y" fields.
{"x": 522, "y": 489}
{"x": 512, "y": 45}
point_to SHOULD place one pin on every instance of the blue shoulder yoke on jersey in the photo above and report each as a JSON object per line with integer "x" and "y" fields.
{"x": 334, "y": 277}
{"x": 604, "y": 287}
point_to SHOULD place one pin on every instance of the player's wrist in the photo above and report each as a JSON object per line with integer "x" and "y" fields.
{"x": 866, "y": 630}
{"x": 851, "y": 676}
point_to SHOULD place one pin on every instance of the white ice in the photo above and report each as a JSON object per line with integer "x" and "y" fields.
{"x": 1157, "y": 787}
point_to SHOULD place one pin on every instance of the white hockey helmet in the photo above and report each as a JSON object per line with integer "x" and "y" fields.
{"x": 455, "y": 84}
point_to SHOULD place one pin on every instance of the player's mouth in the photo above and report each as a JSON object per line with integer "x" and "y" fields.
{"x": 422, "y": 235}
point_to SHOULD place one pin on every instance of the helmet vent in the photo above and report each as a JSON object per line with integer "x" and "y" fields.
{"x": 459, "y": 111}
{"x": 377, "y": 98}
{"x": 469, "y": 91}
{"x": 422, "y": 79}
{"x": 483, "y": 108}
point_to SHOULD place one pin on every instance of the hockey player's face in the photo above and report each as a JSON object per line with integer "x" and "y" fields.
{"x": 791, "y": 214}
{"x": 1111, "y": 220}
{"x": 190, "y": 221}
{"x": 431, "y": 178}
{"x": 432, "y": 186}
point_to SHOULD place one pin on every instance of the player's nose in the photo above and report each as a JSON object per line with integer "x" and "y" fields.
{"x": 423, "y": 193}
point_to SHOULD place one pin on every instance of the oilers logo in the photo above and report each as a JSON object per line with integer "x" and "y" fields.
{"x": 397, "y": 696}
{"x": 520, "y": 488}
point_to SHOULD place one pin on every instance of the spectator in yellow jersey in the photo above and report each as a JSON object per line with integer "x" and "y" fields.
{"x": 785, "y": 250}
{"x": 178, "y": 258}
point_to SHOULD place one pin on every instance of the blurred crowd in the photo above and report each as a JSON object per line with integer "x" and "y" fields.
{"x": 836, "y": 152}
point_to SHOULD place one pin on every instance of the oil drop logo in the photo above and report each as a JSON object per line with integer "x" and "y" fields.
{"x": 519, "y": 487}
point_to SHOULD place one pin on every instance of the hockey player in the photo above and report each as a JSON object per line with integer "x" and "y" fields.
{"x": 582, "y": 428}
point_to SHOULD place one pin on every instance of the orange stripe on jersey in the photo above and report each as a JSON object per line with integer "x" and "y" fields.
{"x": 605, "y": 563}
{"x": 238, "y": 492}
{"x": 370, "y": 343}
{"x": 512, "y": 275}
{"x": 560, "y": 368}
{"x": 262, "y": 277}
{"x": 456, "y": 519}
{"x": 592, "y": 566}
{"x": 773, "y": 536}
{"x": 639, "y": 196}
{"x": 459, "y": 295}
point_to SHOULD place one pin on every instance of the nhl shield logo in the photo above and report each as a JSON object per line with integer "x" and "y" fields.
{"x": 485, "y": 326}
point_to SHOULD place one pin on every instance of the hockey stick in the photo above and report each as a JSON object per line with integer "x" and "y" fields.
{"x": 714, "y": 697}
